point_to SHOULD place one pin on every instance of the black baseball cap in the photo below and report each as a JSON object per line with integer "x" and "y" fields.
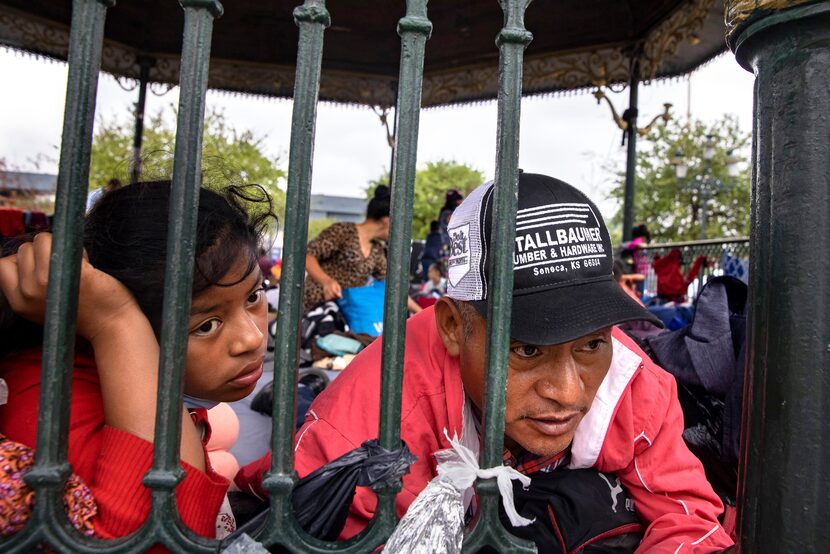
{"x": 563, "y": 283}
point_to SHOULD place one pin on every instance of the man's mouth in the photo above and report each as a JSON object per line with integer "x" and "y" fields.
{"x": 555, "y": 425}
{"x": 249, "y": 375}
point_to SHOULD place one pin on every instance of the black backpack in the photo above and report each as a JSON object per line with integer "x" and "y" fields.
{"x": 577, "y": 510}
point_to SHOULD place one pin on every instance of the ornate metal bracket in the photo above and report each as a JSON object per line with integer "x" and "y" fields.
{"x": 383, "y": 115}
{"x": 623, "y": 120}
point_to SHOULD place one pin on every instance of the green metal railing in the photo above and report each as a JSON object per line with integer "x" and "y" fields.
{"x": 712, "y": 249}
{"x": 48, "y": 524}
{"x": 784, "y": 466}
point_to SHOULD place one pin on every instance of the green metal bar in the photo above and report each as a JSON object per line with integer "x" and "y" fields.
{"x": 166, "y": 472}
{"x": 48, "y": 521}
{"x": 785, "y": 458}
{"x": 281, "y": 529}
{"x": 631, "y": 153}
{"x": 145, "y": 64}
{"x": 414, "y": 30}
{"x": 512, "y": 41}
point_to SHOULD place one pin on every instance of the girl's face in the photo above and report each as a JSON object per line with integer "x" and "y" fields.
{"x": 227, "y": 341}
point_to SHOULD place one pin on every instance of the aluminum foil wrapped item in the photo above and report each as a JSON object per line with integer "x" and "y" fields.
{"x": 434, "y": 522}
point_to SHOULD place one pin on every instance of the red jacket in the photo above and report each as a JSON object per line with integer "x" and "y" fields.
{"x": 110, "y": 461}
{"x": 633, "y": 430}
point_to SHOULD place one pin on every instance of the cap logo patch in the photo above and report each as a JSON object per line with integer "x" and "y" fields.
{"x": 557, "y": 238}
{"x": 458, "y": 264}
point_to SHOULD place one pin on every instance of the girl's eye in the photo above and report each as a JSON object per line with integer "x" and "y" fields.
{"x": 207, "y": 327}
{"x": 525, "y": 350}
{"x": 256, "y": 296}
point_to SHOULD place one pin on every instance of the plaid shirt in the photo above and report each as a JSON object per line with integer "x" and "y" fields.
{"x": 528, "y": 463}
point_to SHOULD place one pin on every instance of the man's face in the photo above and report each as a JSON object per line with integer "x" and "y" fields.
{"x": 549, "y": 388}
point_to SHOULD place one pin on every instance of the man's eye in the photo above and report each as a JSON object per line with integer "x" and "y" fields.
{"x": 525, "y": 350}
{"x": 594, "y": 344}
{"x": 207, "y": 327}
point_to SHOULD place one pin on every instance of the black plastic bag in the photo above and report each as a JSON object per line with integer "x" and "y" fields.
{"x": 322, "y": 498}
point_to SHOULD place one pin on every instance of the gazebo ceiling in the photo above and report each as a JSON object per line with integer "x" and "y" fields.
{"x": 577, "y": 44}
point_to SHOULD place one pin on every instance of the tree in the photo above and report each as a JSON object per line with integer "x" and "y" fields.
{"x": 431, "y": 185}
{"x": 229, "y": 156}
{"x": 317, "y": 226}
{"x": 671, "y": 207}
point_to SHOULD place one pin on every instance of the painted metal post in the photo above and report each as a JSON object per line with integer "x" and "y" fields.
{"x": 281, "y": 529}
{"x": 630, "y": 117}
{"x": 785, "y": 468}
{"x": 166, "y": 472}
{"x": 414, "y": 30}
{"x": 704, "y": 199}
{"x": 144, "y": 76}
{"x": 512, "y": 41}
{"x": 48, "y": 522}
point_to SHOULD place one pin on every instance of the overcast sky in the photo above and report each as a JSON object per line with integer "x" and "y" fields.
{"x": 569, "y": 137}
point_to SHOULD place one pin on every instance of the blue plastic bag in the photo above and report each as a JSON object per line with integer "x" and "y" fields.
{"x": 363, "y": 308}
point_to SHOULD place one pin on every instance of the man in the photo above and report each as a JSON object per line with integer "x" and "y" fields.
{"x": 579, "y": 392}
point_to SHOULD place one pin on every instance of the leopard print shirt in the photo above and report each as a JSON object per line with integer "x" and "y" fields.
{"x": 337, "y": 250}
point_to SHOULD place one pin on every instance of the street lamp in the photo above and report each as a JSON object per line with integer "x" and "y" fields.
{"x": 706, "y": 184}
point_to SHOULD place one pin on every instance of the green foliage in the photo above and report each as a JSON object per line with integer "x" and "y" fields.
{"x": 672, "y": 207}
{"x": 431, "y": 185}
{"x": 228, "y": 155}
{"x": 317, "y": 226}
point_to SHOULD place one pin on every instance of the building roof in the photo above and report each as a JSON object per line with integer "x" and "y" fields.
{"x": 41, "y": 183}
{"x": 577, "y": 44}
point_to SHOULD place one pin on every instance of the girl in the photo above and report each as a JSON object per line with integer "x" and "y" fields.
{"x": 115, "y": 373}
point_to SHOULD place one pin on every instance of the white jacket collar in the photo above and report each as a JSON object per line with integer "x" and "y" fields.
{"x": 590, "y": 434}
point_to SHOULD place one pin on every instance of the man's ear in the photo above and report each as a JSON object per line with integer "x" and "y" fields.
{"x": 449, "y": 324}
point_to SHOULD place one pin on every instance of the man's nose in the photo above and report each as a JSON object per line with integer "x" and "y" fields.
{"x": 561, "y": 382}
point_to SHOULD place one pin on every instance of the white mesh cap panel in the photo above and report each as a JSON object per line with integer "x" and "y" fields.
{"x": 465, "y": 281}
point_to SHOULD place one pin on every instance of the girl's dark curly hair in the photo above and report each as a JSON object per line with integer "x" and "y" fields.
{"x": 125, "y": 235}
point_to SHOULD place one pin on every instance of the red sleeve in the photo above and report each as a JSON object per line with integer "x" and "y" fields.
{"x": 110, "y": 461}
{"x": 249, "y": 477}
{"x": 124, "y": 502}
{"x": 669, "y": 488}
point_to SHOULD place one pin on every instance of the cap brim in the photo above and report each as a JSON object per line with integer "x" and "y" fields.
{"x": 564, "y": 314}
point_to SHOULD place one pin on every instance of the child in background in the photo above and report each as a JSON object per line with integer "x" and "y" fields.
{"x": 434, "y": 287}
{"x": 436, "y": 283}
{"x": 115, "y": 370}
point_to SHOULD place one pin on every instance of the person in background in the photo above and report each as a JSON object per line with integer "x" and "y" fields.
{"x": 433, "y": 249}
{"x": 345, "y": 255}
{"x": 96, "y": 194}
{"x": 451, "y": 201}
{"x": 640, "y": 236}
{"x": 265, "y": 263}
{"x": 436, "y": 283}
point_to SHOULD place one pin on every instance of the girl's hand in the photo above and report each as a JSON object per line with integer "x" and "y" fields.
{"x": 24, "y": 278}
